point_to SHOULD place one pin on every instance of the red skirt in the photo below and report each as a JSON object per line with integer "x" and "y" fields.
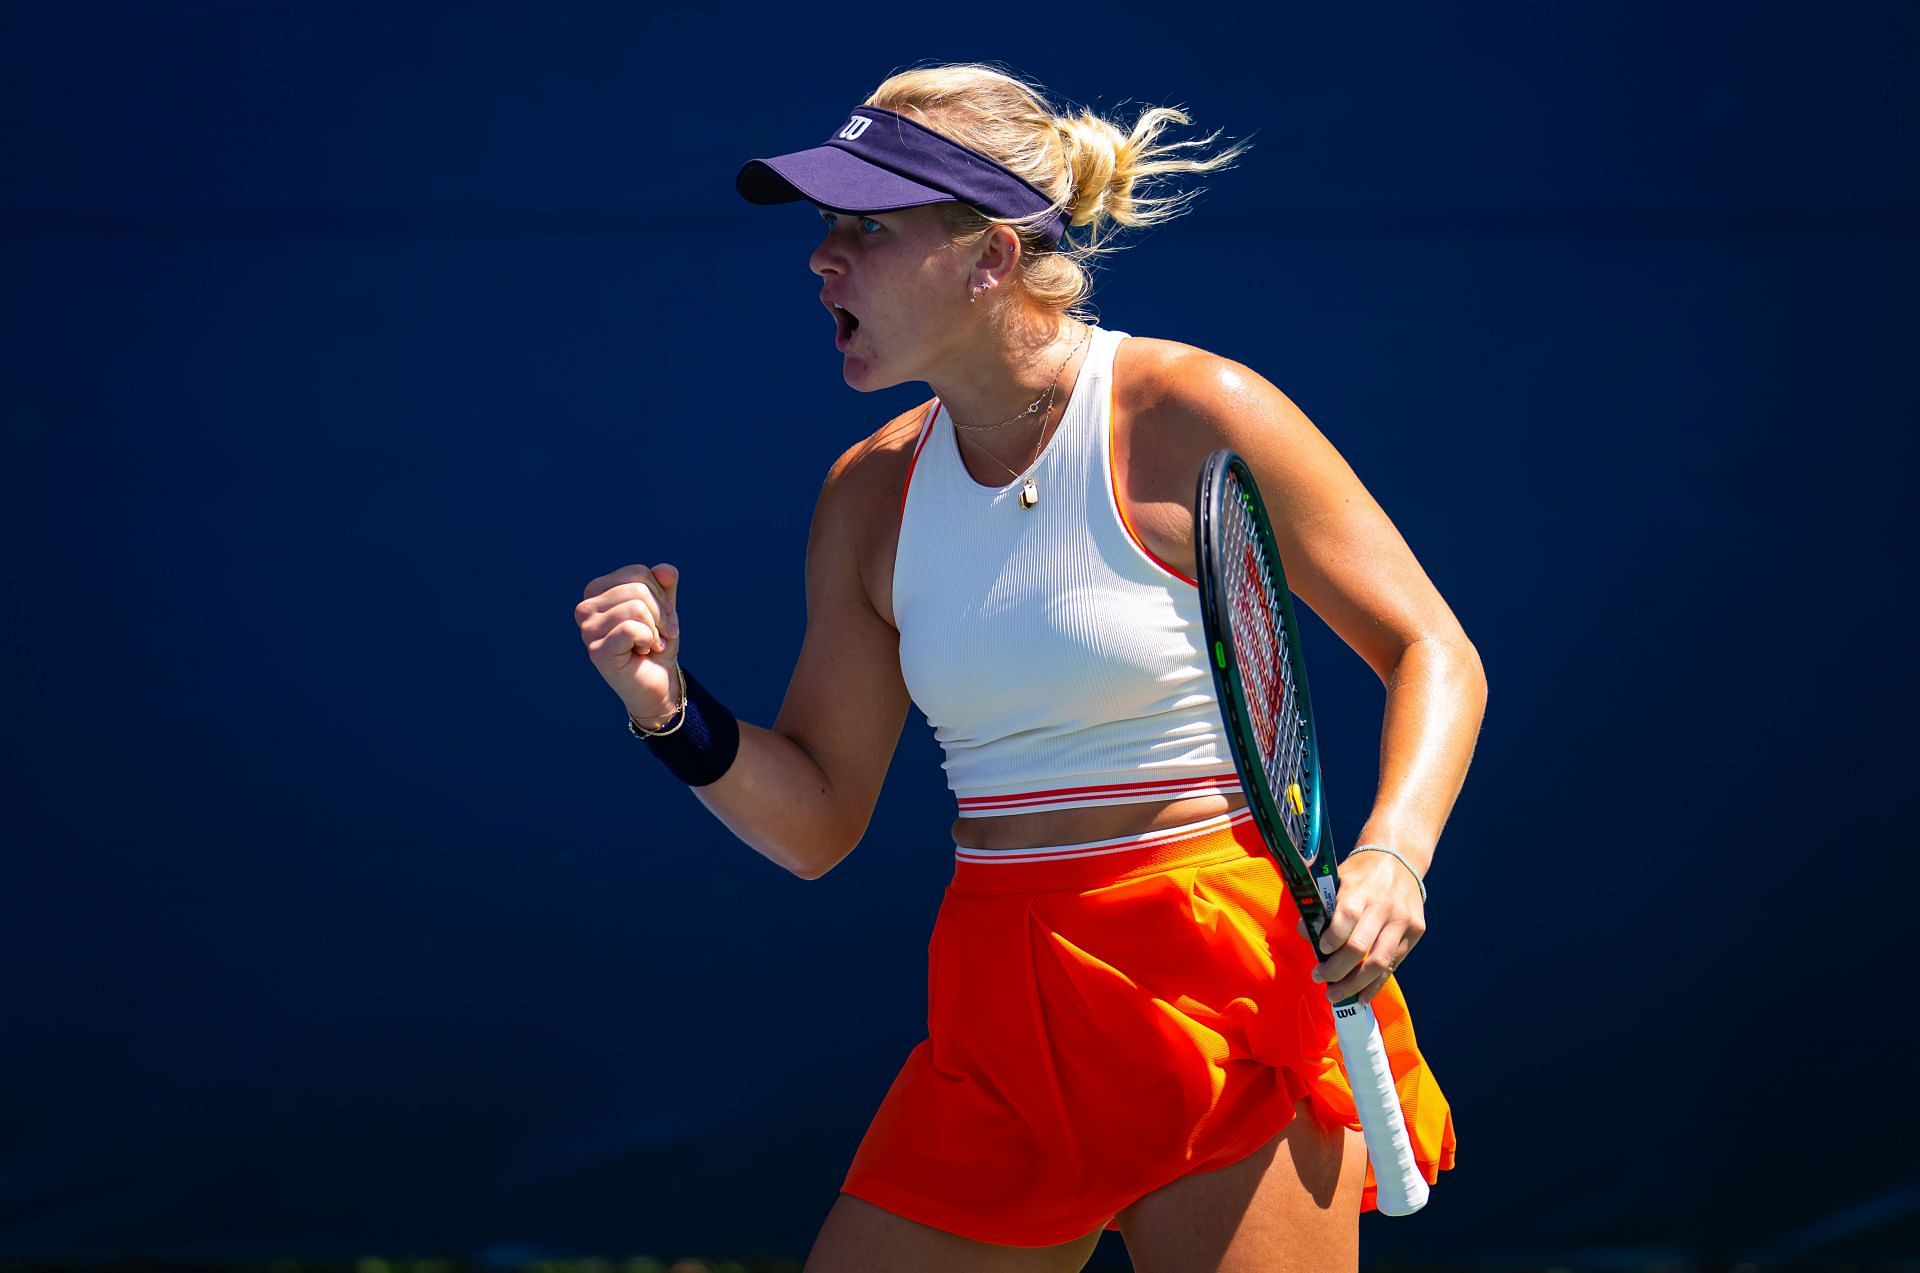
{"x": 1105, "y": 1018}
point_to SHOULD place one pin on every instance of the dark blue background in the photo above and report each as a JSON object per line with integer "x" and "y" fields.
{"x": 340, "y": 346}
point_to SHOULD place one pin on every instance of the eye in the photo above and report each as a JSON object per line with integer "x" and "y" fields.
{"x": 870, "y": 226}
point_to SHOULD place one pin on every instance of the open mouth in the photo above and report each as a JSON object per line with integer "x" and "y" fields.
{"x": 845, "y": 324}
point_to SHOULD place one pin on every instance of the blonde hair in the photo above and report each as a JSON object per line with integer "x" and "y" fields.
{"x": 1107, "y": 180}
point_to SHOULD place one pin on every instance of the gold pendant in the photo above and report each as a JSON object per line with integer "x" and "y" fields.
{"x": 1029, "y": 494}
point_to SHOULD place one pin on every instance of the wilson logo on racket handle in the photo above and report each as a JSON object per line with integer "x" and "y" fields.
{"x": 1325, "y": 883}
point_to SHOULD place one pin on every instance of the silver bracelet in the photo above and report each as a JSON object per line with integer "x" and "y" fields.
{"x": 1395, "y": 855}
{"x": 638, "y": 730}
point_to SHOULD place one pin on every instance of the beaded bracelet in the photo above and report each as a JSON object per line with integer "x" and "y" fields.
{"x": 1395, "y": 855}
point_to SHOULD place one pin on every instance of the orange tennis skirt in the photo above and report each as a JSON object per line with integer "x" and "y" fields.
{"x": 1104, "y": 1018}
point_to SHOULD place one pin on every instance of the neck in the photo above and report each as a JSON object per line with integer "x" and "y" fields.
{"x": 1000, "y": 376}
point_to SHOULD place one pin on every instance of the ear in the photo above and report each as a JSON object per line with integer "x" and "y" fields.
{"x": 999, "y": 252}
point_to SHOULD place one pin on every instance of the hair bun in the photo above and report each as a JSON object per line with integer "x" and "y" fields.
{"x": 1094, "y": 150}
{"x": 1108, "y": 177}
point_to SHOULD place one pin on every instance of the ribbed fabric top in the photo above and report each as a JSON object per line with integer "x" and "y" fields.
{"x": 1060, "y": 663}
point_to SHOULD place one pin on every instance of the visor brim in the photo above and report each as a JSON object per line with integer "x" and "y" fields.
{"x": 832, "y": 178}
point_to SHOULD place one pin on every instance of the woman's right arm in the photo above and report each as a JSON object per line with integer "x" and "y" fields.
{"x": 803, "y": 792}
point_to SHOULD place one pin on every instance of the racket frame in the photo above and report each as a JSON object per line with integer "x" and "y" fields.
{"x": 1310, "y": 871}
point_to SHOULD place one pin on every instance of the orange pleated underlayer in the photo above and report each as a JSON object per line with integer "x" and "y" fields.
{"x": 1102, "y": 1024}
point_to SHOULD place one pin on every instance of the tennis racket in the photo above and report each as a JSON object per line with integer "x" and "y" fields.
{"x": 1262, "y": 683}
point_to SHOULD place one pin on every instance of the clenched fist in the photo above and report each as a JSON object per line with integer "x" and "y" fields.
{"x": 631, "y": 625}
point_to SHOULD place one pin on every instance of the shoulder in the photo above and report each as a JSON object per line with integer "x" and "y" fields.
{"x": 855, "y": 521}
{"x": 886, "y": 449}
{"x": 1175, "y": 404}
{"x": 851, "y": 543}
{"x": 1190, "y": 397}
{"x": 874, "y": 469}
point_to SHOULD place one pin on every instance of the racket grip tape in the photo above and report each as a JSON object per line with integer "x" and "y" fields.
{"x": 1399, "y": 1188}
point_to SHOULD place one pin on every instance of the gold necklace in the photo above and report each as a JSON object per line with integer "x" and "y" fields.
{"x": 1030, "y": 492}
{"x": 1026, "y": 411}
{"x": 1029, "y": 409}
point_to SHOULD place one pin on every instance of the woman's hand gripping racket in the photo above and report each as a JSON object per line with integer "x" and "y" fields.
{"x": 1262, "y": 684}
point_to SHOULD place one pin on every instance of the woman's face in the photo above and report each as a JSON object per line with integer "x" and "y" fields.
{"x": 898, "y": 276}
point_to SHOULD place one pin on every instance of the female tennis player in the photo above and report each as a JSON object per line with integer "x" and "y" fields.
{"x": 1126, "y": 1029}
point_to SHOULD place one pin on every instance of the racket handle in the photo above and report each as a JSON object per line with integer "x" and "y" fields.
{"x": 1399, "y": 1188}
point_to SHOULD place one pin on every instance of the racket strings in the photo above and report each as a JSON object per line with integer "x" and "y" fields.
{"x": 1261, "y": 638}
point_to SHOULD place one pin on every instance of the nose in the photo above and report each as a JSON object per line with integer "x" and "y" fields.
{"x": 827, "y": 258}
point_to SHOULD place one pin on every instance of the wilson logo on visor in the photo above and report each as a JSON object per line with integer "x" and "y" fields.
{"x": 855, "y": 126}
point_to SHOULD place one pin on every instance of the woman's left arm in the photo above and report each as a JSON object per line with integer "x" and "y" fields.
{"x": 1345, "y": 559}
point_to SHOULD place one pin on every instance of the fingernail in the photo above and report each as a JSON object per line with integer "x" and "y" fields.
{"x": 1318, "y": 975}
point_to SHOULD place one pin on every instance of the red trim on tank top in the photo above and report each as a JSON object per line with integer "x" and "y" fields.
{"x": 1113, "y": 484}
{"x": 926, "y": 431}
{"x": 1160, "y": 786}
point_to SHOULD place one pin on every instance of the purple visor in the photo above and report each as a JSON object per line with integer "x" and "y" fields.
{"x": 881, "y": 161}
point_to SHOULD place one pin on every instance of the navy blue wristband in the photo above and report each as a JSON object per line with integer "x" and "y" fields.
{"x": 704, "y": 745}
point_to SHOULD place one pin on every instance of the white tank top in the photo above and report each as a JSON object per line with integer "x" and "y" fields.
{"x": 1061, "y": 664}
